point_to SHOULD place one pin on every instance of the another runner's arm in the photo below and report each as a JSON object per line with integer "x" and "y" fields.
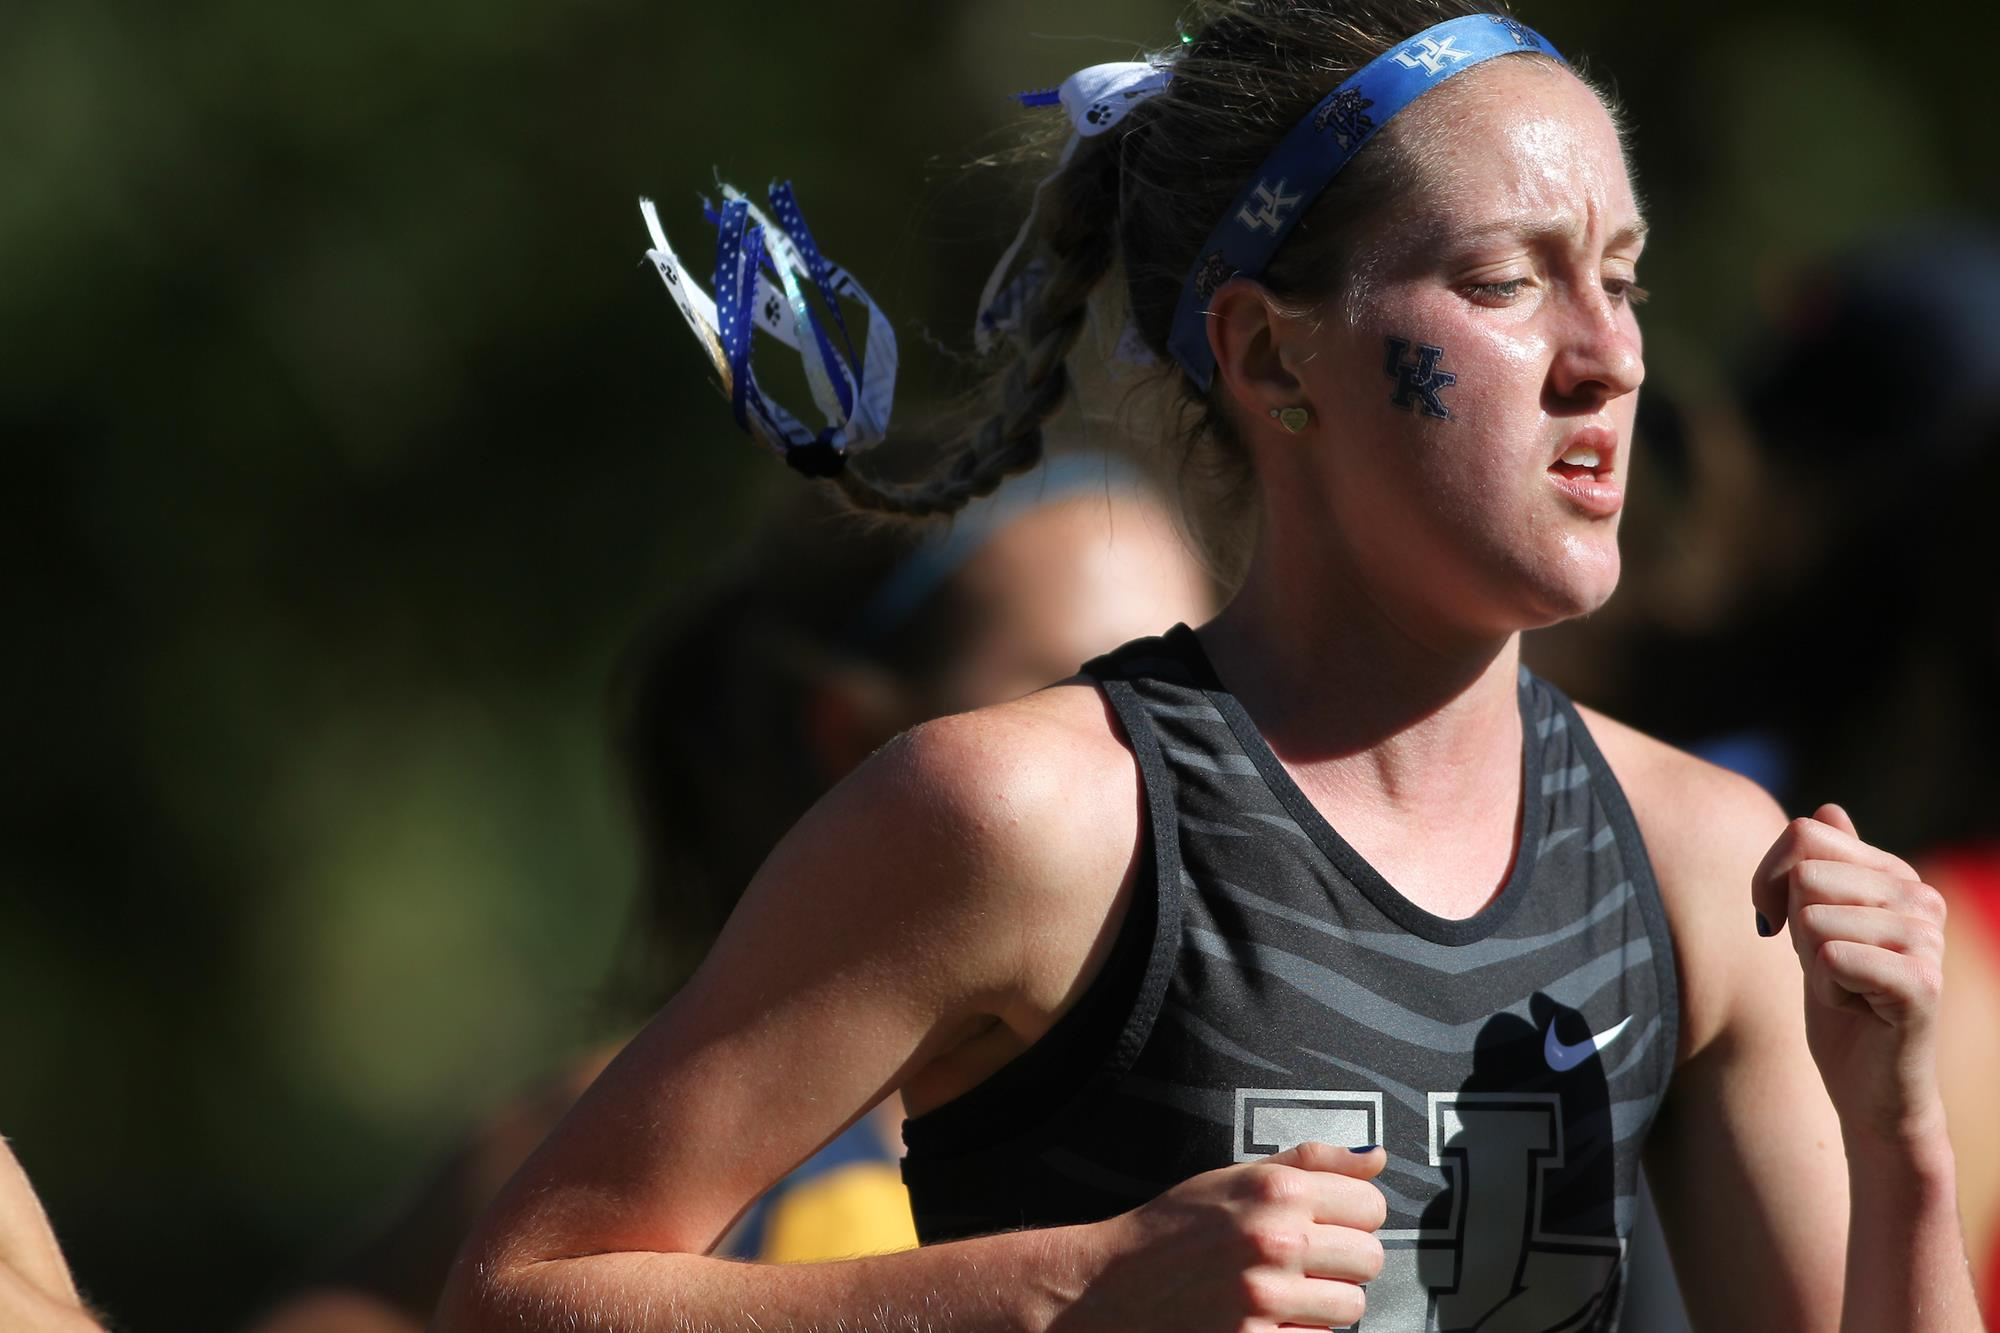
{"x": 1748, "y": 1160}
{"x": 36, "y": 1293}
{"x": 954, "y": 883}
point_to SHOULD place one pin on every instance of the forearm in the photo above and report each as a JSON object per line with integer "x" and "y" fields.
{"x": 995, "y": 1284}
{"x": 1905, "y": 1256}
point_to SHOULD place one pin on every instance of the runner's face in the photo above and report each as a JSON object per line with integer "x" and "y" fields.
{"x": 1495, "y": 338}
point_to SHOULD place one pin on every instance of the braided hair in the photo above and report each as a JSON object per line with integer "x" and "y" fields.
{"x": 1138, "y": 201}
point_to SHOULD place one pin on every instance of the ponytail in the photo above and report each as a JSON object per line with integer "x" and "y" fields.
{"x": 1076, "y": 239}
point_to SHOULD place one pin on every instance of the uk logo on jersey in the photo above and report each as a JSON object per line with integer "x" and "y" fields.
{"x": 1431, "y": 55}
{"x": 1272, "y": 206}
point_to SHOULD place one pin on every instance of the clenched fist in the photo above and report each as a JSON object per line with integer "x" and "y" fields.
{"x": 1282, "y": 1242}
{"x": 1870, "y": 935}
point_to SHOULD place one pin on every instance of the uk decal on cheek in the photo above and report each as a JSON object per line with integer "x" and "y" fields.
{"x": 1418, "y": 382}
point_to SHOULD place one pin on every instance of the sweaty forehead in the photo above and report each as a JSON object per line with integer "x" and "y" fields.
{"x": 1517, "y": 142}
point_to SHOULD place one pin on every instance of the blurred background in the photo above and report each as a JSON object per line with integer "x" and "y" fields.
{"x": 349, "y": 439}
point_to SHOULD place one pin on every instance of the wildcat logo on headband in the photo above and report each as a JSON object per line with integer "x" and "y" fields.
{"x": 1215, "y": 270}
{"x": 1345, "y": 116}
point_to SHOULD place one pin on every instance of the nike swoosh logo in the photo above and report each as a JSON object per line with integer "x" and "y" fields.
{"x": 1563, "y": 1058}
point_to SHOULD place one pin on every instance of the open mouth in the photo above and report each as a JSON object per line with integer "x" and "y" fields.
{"x": 1583, "y": 462}
{"x": 1585, "y": 473}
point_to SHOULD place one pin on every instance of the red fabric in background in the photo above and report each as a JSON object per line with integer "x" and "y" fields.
{"x": 1972, "y": 875}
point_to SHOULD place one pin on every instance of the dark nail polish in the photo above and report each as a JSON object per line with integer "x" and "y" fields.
{"x": 1764, "y": 926}
{"x": 1366, "y": 1147}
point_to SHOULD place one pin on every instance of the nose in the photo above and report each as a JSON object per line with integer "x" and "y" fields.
{"x": 1598, "y": 353}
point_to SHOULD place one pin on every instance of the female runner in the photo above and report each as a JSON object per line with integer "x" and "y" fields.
{"x": 1319, "y": 947}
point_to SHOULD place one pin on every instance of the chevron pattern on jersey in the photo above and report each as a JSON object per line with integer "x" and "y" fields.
{"x": 1269, "y": 987}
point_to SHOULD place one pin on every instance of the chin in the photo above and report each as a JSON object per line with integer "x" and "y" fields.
{"x": 1584, "y": 587}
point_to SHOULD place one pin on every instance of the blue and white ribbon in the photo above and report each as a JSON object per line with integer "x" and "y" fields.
{"x": 763, "y": 265}
{"x": 1095, "y": 99}
{"x": 1315, "y": 150}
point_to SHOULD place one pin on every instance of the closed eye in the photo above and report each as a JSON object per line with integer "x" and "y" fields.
{"x": 1497, "y": 292}
{"x": 1630, "y": 293}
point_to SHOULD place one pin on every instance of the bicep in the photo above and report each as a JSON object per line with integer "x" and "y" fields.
{"x": 864, "y": 947}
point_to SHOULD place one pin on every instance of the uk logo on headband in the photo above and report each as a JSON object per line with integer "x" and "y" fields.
{"x": 1430, "y": 55}
{"x": 1273, "y": 208}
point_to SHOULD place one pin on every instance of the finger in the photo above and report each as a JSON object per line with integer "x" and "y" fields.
{"x": 1838, "y": 883}
{"x": 1288, "y": 1300}
{"x": 1327, "y": 1197}
{"x": 1900, "y": 989}
{"x": 1362, "y": 1163}
{"x": 1837, "y": 816}
{"x": 1343, "y": 1253}
{"x": 1818, "y": 924}
{"x": 1811, "y": 840}
{"x": 1345, "y": 1194}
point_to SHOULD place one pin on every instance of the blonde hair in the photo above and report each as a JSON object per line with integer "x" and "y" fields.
{"x": 1138, "y": 201}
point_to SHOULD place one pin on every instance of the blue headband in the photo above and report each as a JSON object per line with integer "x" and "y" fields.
{"x": 946, "y": 551}
{"x": 1315, "y": 151}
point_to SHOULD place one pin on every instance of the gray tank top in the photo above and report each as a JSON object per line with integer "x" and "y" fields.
{"x": 1269, "y": 987}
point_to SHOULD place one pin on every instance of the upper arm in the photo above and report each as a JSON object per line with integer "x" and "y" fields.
{"x": 1745, "y": 1159}
{"x": 906, "y": 912}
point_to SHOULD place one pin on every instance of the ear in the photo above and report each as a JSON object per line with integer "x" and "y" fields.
{"x": 848, "y": 714}
{"x": 1255, "y": 345}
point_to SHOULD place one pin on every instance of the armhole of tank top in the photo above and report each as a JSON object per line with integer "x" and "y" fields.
{"x": 1632, "y": 846}
{"x": 1084, "y": 1046}
{"x": 1162, "y": 842}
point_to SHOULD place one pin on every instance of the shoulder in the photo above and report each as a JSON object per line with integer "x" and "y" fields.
{"x": 1706, "y": 829}
{"x": 1687, "y": 807}
{"x": 1013, "y": 784}
{"x": 991, "y": 848}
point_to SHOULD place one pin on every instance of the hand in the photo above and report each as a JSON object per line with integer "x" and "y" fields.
{"x": 1286, "y": 1241}
{"x": 1870, "y": 936}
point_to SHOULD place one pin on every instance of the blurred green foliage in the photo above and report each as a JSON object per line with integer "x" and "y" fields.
{"x": 348, "y": 439}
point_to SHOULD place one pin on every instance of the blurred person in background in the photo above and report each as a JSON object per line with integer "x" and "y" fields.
{"x": 37, "y": 1294}
{"x": 829, "y": 637}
